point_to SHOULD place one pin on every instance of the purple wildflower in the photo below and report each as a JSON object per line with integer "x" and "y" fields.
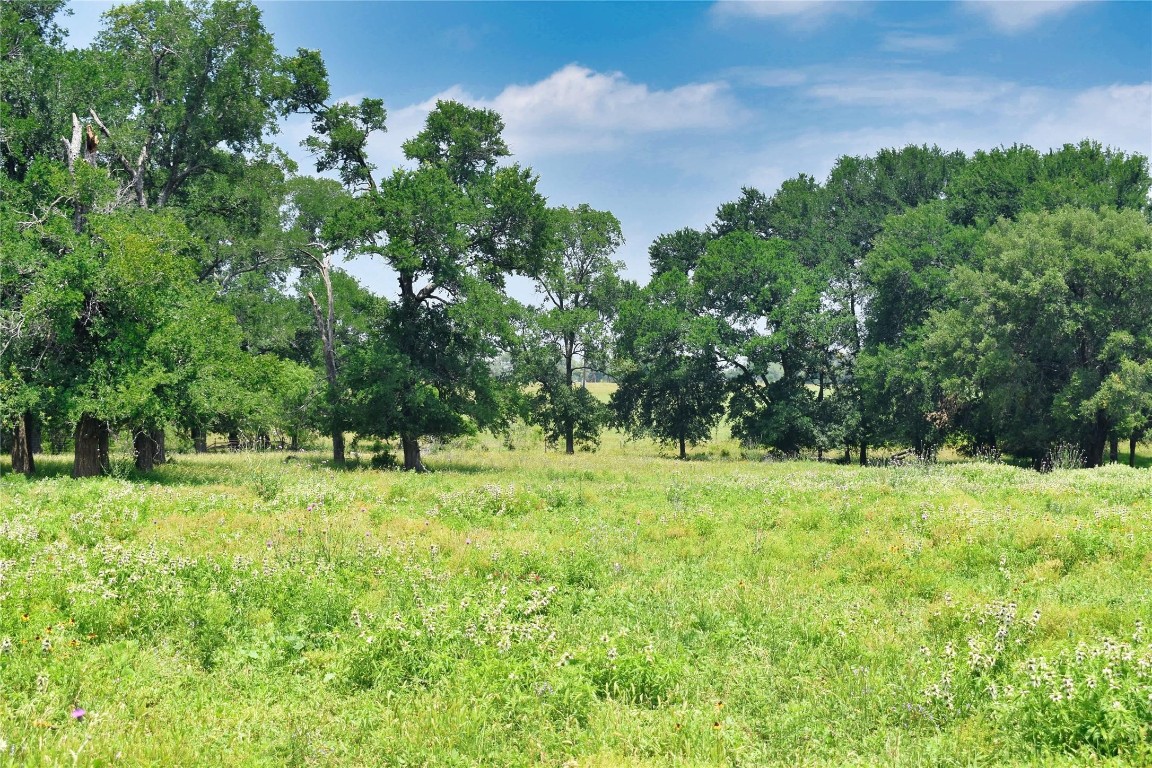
{"x": 78, "y": 713}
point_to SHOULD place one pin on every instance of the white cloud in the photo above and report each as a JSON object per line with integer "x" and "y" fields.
{"x": 984, "y": 112}
{"x": 915, "y": 92}
{"x": 802, "y": 14}
{"x": 903, "y": 42}
{"x": 1117, "y": 116}
{"x": 664, "y": 159}
{"x": 1015, "y": 16}
{"x": 577, "y": 110}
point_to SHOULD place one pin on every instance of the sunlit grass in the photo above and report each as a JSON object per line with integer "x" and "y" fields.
{"x": 617, "y": 608}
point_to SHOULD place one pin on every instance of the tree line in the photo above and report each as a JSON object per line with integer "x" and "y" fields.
{"x": 168, "y": 269}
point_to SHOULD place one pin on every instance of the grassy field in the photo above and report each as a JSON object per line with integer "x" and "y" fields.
{"x": 608, "y": 609}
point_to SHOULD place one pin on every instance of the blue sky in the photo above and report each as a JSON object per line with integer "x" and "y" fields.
{"x": 660, "y": 112}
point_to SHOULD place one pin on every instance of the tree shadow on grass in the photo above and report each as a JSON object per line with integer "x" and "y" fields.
{"x": 180, "y": 470}
{"x": 229, "y": 469}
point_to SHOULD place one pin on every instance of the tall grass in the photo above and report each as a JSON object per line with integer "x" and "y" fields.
{"x": 619, "y": 608}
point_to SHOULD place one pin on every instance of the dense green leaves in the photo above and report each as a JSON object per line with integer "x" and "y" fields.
{"x": 670, "y": 385}
{"x": 580, "y": 286}
{"x": 1060, "y": 319}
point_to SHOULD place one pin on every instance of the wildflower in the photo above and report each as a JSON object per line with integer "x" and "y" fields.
{"x": 78, "y": 713}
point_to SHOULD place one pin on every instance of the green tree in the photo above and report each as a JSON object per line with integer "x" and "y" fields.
{"x": 452, "y": 229}
{"x": 580, "y": 286}
{"x": 679, "y": 251}
{"x": 318, "y": 207}
{"x": 1045, "y": 335}
{"x": 670, "y": 385}
{"x": 182, "y": 81}
{"x": 760, "y": 305}
{"x": 907, "y": 275}
{"x": 1007, "y": 182}
{"x": 857, "y": 198}
{"x": 175, "y": 97}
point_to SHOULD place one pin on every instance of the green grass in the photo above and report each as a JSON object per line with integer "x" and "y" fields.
{"x": 615, "y": 608}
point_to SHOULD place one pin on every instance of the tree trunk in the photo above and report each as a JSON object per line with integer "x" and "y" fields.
{"x": 863, "y": 454}
{"x": 22, "y": 454}
{"x": 1113, "y": 449}
{"x": 1132, "y": 450}
{"x": 326, "y": 325}
{"x": 1097, "y": 441}
{"x": 91, "y": 454}
{"x": 145, "y": 447}
{"x": 412, "y": 454}
{"x": 820, "y": 399}
{"x": 161, "y": 455}
{"x": 200, "y": 440}
{"x": 847, "y": 454}
{"x": 683, "y": 449}
{"x": 569, "y": 427}
{"x": 35, "y": 437}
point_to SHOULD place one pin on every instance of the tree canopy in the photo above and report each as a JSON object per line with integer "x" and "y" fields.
{"x": 169, "y": 270}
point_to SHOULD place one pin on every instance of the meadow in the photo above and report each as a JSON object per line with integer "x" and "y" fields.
{"x": 617, "y": 608}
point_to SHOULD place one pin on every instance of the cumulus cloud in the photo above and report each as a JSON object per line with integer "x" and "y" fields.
{"x": 1015, "y": 16}
{"x": 578, "y": 110}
